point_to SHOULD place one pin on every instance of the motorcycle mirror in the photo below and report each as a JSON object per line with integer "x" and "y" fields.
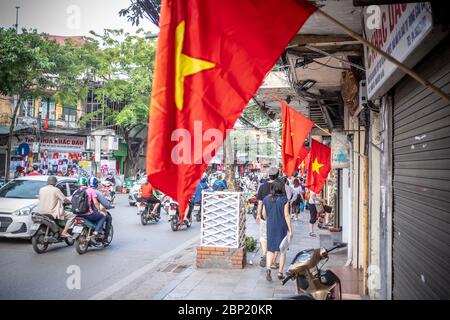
{"x": 340, "y": 245}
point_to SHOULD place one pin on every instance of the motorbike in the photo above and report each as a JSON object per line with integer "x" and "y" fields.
{"x": 46, "y": 230}
{"x": 108, "y": 191}
{"x": 198, "y": 212}
{"x": 145, "y": 210}
{"x": 252, "y": 205}
{"x": 313, "y": 282}
{"x": 174, "y": 216}
{"x": 83, "y": 232}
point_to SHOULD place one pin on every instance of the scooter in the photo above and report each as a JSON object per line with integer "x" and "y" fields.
{"x": 174, "y": 216}
{"x": 314, "y": 283}
{"x": 145, "y": 210}
{"x": 108, "y": 191}
{"x": 46, "y": 230}
{"x": 83, "y": 232}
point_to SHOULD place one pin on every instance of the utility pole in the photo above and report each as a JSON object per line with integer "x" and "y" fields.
{"x": 17, "y": 19}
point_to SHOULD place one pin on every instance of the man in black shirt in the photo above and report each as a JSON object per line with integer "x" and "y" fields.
{"x": 263, "y": 191}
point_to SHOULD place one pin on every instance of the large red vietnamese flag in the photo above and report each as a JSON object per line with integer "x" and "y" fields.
{"x": 319, "y": 166}
{"x": 211, "y": 58}
{"x": 296, "y": 128}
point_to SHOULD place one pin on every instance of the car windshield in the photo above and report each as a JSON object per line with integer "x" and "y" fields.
{"x": 22, "y": 189}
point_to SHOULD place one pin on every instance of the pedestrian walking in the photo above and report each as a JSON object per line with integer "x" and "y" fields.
{"x": 313, "y": 199}
{"x": 279, "y": 230}
{"x": 263, "y": 191}
{"x": 297, "y": 198}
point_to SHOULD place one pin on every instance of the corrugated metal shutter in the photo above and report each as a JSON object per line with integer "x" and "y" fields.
{"x": 421, "y": 186}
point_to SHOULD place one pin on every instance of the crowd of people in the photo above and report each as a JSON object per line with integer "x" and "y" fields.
{"x": 280, "y": 200}
{"x": 52, "y": 201}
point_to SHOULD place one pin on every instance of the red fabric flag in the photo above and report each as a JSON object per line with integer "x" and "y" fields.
{"x": 46, "y": 123}
{"x": 319, "y": 166}
{"x": 211, "y": 58}
{"x": 305, "y": 163}
{"x": 296, "y": 127}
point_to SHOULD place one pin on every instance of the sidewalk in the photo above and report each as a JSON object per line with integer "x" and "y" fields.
{"x": 250, "y": 282}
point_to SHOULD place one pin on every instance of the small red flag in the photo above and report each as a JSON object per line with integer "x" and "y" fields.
{"x": 319, "y": 166}
{"x": 46, "y": 123}
{"x": 211, "y": 58}
{"x": 296, "y": 128}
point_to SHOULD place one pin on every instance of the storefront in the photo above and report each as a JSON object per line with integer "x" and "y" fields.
{"x": 54, "y": 154}
{"x": 415, "y": 166}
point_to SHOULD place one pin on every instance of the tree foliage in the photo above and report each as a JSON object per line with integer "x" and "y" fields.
{"x": 139, "y": 9}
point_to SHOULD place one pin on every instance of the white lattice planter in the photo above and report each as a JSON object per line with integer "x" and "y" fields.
{"x": 223, "y": 219}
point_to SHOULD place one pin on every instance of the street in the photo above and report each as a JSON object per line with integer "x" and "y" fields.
{"x": 27, "y": 275}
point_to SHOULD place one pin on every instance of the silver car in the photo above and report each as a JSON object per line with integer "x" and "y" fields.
{"x": 19, "y": 198}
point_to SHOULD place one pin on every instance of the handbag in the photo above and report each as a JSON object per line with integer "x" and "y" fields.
{"x": 327, "y": 208}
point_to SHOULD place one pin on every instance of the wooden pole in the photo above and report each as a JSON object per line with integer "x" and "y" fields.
{"x": 388, "y": 57}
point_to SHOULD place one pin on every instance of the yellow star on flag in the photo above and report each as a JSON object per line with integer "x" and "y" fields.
{"x": 316, "y": 166}
{"x": 185, "y": 65}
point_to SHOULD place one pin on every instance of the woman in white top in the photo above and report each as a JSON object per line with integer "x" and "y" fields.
{"x": 297, "y": 197}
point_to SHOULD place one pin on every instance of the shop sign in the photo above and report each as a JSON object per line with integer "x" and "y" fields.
{"x": 69, "y": 144}
{"x": 404, "y": 32}
{"x": 340, "y": 150}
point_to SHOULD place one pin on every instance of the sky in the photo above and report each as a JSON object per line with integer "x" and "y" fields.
{"x": 69, "y": 17}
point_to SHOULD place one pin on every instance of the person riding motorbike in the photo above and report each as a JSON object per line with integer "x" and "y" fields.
{"x": 197, "y": 198}
{"x": 149, "y": 195}
{"x": 93, "y": 183}
{"x": 51, "y": 201}
{"x": 96, "y": 215}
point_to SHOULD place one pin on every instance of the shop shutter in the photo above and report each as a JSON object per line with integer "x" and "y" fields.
{"x": 421, "y": 183}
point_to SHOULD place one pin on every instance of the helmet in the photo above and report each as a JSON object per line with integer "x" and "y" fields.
{"x": 93, "y": 182}
{"x": 82, "y": 181}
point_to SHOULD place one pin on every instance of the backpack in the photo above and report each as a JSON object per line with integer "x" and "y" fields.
{"x": 80, "y": 202}
{"x": 218, "y": 185}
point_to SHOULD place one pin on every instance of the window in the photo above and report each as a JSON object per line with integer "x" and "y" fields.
{"x": 70, "y": 113}
{"x": 63, "y": 187}
{"x": 27, "y": 108}
{"x": 72, "y": 187}
{"x": 22, "y": 189}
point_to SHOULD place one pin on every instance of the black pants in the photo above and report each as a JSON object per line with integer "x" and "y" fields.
{"x": 108, "y": 224}
{"x": 191, "y": 208}
{"x": 151, "y": 200}
{"x": 313, "y": 213}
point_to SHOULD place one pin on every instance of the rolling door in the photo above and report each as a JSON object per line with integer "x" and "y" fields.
{"x": 421, "y": 183}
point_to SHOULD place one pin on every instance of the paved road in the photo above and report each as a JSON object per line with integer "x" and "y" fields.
{"x": 27, "y": 275}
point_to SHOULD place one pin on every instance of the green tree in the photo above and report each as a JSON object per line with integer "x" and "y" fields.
{"x": 124, "y": 62}
{"x": 33, "y": 65}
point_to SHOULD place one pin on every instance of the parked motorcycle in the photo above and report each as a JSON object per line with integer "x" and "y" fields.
{"x": 145, "y": 210}
{"x": 314, "y": 283}
{"x": 84, "y": 238}
{"x": 46, "y": 230}
{"x": 108, "y": 191}
{"x": 174, "y": 216}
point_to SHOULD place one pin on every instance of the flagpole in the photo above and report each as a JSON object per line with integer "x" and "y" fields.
{"x": 388, "y": 57}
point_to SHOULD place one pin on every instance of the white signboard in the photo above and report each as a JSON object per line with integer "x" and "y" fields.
{"x": 401, "y": 29}
{"x": 61, "y": 144}
{"x": 340, "y": 150}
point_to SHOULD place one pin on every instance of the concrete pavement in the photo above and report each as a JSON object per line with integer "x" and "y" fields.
{"x": 250, "y": 282}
